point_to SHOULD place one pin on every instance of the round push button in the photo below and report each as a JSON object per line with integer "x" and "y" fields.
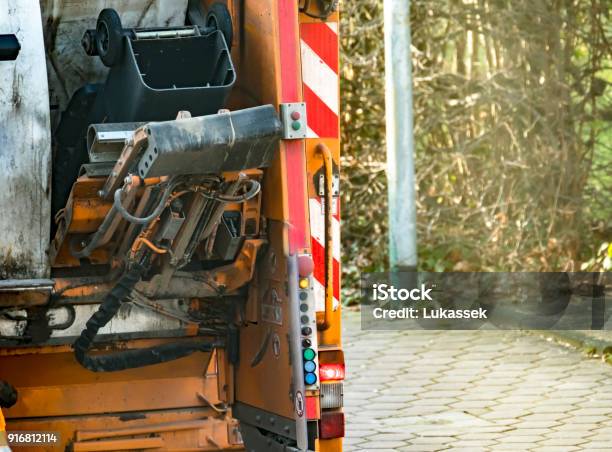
{"x": 310, "y": 378}
{"x": 309, "y": 354}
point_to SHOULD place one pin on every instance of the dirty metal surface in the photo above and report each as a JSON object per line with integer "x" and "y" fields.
{"x": 25, "y": 147}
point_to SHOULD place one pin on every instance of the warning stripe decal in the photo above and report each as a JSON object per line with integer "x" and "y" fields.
{"x": 320, "y": 84}
{"x": 322, "y": 121}
{"x": 317, "y": 231}
{"x": 317, "y": 227}
{"x": 320, "y": 78}
{"x": 324, "y": 41}
{"x": 319, "y": 51}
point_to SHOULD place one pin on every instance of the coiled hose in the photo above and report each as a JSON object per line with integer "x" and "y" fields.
{"x": 128, "y": 359}
{"x": 143, "y": 220}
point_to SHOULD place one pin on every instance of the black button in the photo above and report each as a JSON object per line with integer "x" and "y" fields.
{"x": 303, "y": 307}
{"x": 306, "y": 331}
{"x": 304, "y": 319}
{"x": 303, "y": 296}
{"x": 306, "y": 343}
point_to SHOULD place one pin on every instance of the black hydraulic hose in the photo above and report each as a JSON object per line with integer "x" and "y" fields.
{"x": 92, "y": 243}
{"x": 131, "y": 359}
{"x": 254, "y": 188}
{"x": 107, "y": 310}
{"x": 142, "y": 220}
{"x": 94, "y": 240}
{"x": 128, "y": 359}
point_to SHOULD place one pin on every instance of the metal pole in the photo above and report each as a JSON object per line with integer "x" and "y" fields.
{"x": 400, "y": 141}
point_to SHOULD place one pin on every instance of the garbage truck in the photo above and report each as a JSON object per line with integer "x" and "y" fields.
{"x": 169, "y": 246}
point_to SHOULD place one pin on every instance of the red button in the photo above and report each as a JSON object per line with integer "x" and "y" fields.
{"x": 295, "y": 115}
{"x": 305, "y": 265}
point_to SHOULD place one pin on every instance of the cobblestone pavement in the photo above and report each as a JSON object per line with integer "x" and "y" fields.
{"x": 472, "y": 391}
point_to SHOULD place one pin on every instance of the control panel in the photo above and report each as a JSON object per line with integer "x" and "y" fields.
{"x": 293, "y": 118}
{"x": 308, "y": 333}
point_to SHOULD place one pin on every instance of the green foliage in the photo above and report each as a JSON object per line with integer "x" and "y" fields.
{"x": 364, "y": 201}
{"x": 513, "y": 113}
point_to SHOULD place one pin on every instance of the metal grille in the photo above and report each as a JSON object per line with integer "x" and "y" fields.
{"x": 332, "y": 395}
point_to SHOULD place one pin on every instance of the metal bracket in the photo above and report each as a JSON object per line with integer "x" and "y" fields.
{"x": 294, "y": 120}
{"x": 23, "y": 285}
{"x": 335, "y": 192}
{"x": 106, "y": 141}
{"x": 335, "y": 185}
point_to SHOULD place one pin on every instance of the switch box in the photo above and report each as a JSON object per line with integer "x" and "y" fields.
{"x": 294, "y": 119}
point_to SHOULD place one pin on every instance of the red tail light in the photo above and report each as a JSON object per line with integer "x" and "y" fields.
{"x": 329, "y": 372}
{"x": 331, "y": 425}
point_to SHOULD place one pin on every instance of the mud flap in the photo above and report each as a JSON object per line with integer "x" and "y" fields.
{"x": 255, "y": 440}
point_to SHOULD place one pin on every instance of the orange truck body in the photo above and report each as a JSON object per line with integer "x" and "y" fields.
{"x": 281, "y": 55}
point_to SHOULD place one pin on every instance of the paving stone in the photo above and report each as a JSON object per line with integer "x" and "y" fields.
{"x": 593, "y": 411}
{"x": 591, "y": 420}
{"x": 376, "y": 405}
{"x": 352, "y": 441}
{"x": 468, "y": 404}
{"x": 544, "y": 417}
{"x": 421, "y": 448}
{"x": 497, "y": 413}
{"x": 568, "y": 432}
{"x": 384, "y": 445}
{"x": 492, "y": 436}
{"x": 429, "y": 440}
{"x": 593, "y": 445}
{"x": 517, "y": 446}
{"x": 391, "y": 436}
{"x": 356, "y": 433}
{"x": 555, "y": 449}
{"x": 472, "y": 391}
{"x": 550, "y": 408}
{"x": 562, "y": 442}
{"x": 576, "y": 427}
{"x": 474, "y": 444}
{"x": 468, "y": 449}
{"x": 403, "y": 398}
{"x": 596, "y": 436}
{"x": 537, "y": 424}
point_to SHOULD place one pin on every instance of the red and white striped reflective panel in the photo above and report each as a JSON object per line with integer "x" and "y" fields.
{"x": 319, "y": 45}
{"x": 317, "y": 233}
{"x": 319, "y": 50}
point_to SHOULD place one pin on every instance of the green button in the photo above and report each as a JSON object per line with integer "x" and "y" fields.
{"x": 296, "y": 125}
{"x": 309, "y": 354}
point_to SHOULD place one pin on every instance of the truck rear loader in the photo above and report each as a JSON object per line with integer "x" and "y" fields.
{"x": 169, "y": 236}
